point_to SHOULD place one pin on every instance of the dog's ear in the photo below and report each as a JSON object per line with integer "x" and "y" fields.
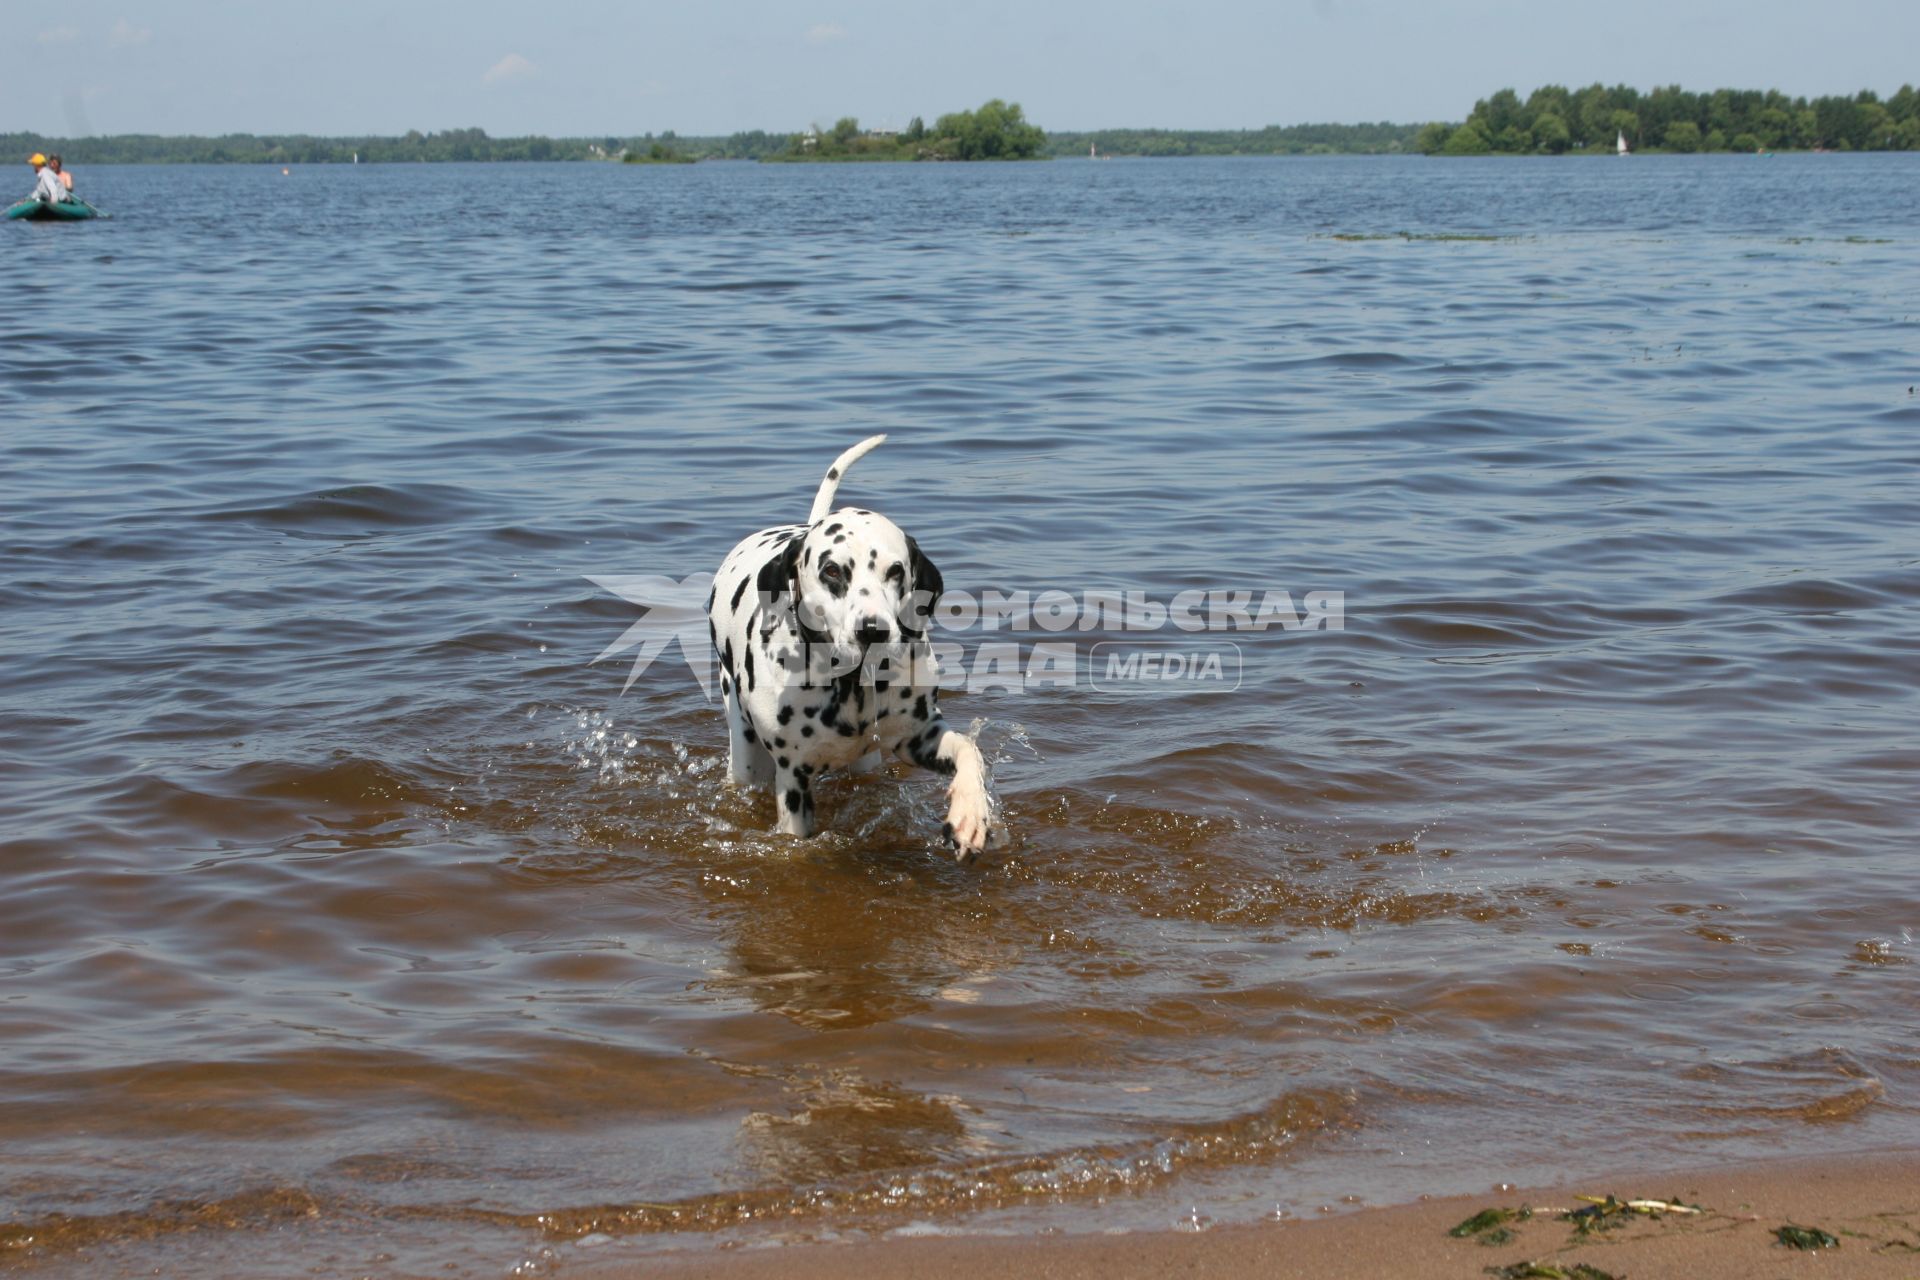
{"x": 777, "y": 575}
{"x": 925, "y": 584}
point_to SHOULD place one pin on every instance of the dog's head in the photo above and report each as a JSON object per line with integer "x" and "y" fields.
{"x": 858, "y": 584}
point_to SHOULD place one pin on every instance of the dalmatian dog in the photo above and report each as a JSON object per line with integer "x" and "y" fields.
{"x": 825, "y": 664}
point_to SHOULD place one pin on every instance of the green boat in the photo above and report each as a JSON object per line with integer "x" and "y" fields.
{"x": 42, "y": 211}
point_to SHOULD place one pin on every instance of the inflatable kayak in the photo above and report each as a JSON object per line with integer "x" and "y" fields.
{"x": 41, "y": 211}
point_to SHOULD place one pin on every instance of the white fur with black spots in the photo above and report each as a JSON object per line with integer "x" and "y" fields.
{"x": 821, "y": 631}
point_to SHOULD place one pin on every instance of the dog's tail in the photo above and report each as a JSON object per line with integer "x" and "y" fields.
{"x": 823, "y": 500}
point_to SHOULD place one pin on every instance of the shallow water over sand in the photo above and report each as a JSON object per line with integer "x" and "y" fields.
{"x": 351, "y": 918}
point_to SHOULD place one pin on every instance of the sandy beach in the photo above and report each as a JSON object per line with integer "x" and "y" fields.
{"x": 1870, "y": 1205}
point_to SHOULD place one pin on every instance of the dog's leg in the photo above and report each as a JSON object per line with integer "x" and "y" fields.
{"x": 744, "y": 756}
{"x": 932, "y": 745}
{"x": 793, "y": 798}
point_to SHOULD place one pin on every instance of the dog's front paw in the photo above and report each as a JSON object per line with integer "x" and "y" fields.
{"x": 970, "y": 824}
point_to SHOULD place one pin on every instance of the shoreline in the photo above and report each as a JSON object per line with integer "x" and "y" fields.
{"x": 1869, "y": 1203}
{"x": 1069, "y": 157}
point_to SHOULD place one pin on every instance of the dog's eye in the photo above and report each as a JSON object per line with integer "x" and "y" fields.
{"x": 831, "y": 572}
{"x": 897, "y": 574}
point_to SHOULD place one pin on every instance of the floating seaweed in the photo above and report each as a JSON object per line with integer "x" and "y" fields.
{"x": 1446, "y": 236}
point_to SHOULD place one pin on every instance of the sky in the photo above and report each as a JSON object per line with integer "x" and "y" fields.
{"x": 601, "y": 67}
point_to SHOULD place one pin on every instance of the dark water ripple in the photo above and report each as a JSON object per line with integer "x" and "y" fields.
{"x": 344, "y": 901}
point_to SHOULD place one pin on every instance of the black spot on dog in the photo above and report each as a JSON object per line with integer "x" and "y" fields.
{"x": 776, "y": 575}
{"x": 784, "y": 762}
{"x": 726, "y": 657}
{"x": 786, "y": 714}
{"x": 928, "y": 587}
{"x": 925, "y": 756}
{"x": 738, "y": 592}
{"x": 747, "y": 732}
{"x": 793, "y": 799}
{"x": 920, "y": 707}
{"x": 806, "y": 731}
{"x": 833, "y": 528}
{"x": 749, "y": 668}
{"x": 833, "y": 473}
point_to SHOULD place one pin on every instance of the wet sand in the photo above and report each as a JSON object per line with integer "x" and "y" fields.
{"x": 1871, "y": 1204}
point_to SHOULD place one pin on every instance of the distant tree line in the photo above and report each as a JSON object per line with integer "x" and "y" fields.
{"x": 997, "y": 130}
{"x": 1551, "y": 120}
{"x": 247, "y": 148}
{"x": 1554, "y": 119}
{"x": 1274, "y": 140}
{"x": 450, "y": 145}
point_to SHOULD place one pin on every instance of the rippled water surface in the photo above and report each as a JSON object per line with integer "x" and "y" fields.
{"x": 353, "y": 920}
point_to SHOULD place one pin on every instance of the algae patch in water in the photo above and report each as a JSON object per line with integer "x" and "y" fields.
{"x": 1832, "y": 240}
{"x": 1417, "y": 235}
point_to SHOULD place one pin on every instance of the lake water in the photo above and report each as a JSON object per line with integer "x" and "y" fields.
{"x": 353, "y": 920}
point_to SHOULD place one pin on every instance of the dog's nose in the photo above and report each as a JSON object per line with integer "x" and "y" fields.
{"x": 873, "y": 630}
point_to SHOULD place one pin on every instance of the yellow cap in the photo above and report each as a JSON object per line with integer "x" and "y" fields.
{"x": 36, "y": 158}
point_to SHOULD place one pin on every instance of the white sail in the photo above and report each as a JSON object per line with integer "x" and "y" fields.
{"x": 1620, "y": 141}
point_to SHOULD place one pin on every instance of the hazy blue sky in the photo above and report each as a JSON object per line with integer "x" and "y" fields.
{"x": 601, "y": 67}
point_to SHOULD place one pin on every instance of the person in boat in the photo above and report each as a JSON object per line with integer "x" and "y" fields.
{"x": 47, "y": 186}
{"x": 60, "y": 172}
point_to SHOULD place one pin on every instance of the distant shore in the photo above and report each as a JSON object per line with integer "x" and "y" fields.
{"x": 1551, "y": 120}
{"x": 77, "y": 156}
{"x": 681, "y": 160}
{"x": 1869, "y": 1206}
{"x": 475, "y": 145}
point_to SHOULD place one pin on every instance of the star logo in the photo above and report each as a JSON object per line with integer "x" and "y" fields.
{"x": 672, "y": 609}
